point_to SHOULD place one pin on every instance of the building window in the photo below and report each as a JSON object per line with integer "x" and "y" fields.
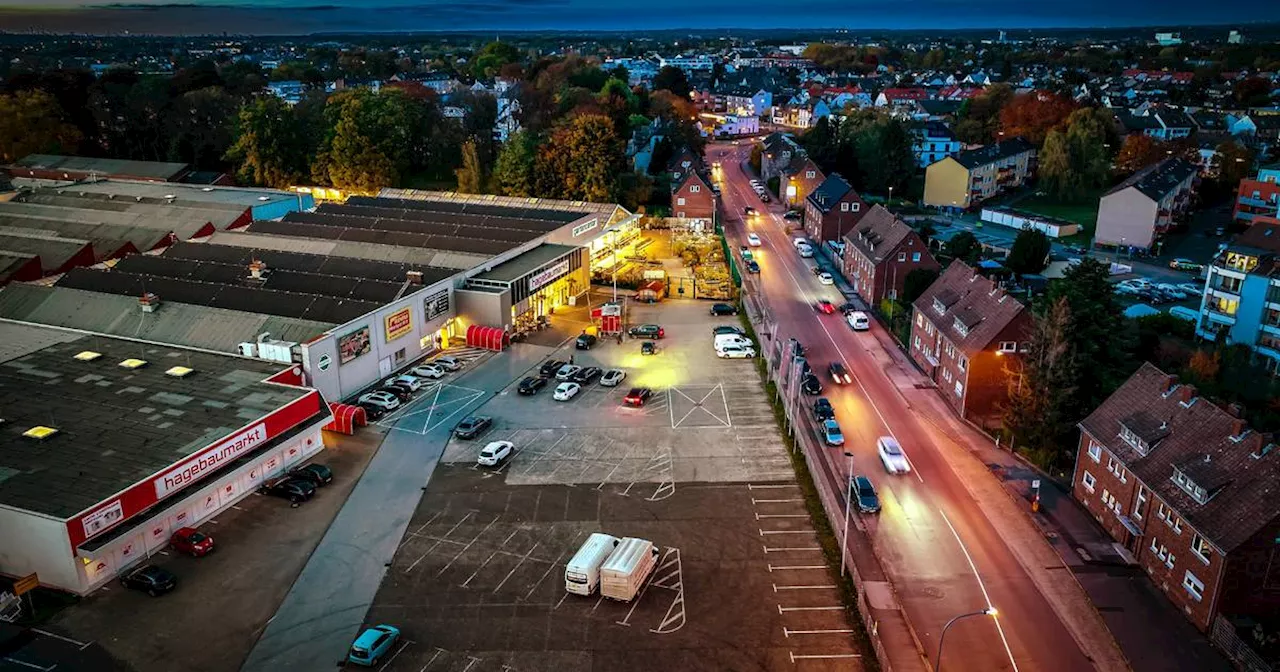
{"x": 1132, "y": 439}
{"x": 960, "y": 327}
{"x": 1201, "y": 548}
{"x": 680, "y": 201}
{"x": 915, "y": 256}
{"x": 399, "y": 356}
{"x": 917, "y": 342}
{"x": 695, "y": 188}
{"x": 919, "y": 319}
{"x": 1088, "y": 481}
{"x": 959, "y": 389}
{"x": 1154, "y": 547}
{"x": 1169, "y": 561}
{"x": 962, "y": 363}
{"x": 844, "y": 207}
{"x": 1194, "y": 587}
{"x": 1095, "y": 451}
{"x": 938, "y": 306}
{"x": 1141, "y": 501}
{"x": 902, "y": 256}
{"x": 1008, "y": 346}
{"x": 810, "y": 174}
{"x": 855, "y": 207}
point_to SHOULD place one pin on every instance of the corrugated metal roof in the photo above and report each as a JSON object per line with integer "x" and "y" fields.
{"x": 351, "y": 249}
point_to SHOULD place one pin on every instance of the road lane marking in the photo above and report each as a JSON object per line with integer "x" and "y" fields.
{"x": 982, "y": 586}
{"x": 783, "y": 610}
{"x": 836, "y": 631}
{"x": 799, "y": 548}
{"x": 789, "y": 567}
{"x": 795, "y": 657}
{"x": 776, "y": 587}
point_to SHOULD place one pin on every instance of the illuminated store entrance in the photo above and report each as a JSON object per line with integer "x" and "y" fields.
{"x": 536, "y": 283}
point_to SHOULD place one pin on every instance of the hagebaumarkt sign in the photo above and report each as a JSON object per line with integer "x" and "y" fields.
{"x": 548, "y": 274}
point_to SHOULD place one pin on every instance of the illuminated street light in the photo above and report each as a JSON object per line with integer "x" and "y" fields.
{"x": 989, "y": 611}
{"x": 848, "y": 505}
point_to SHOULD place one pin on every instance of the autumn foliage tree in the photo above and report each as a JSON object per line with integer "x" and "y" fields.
{"x": 581, "y": 161}
{"x": 32, "y": 122}
{"x": 1137, "y": 152}
{"x": 1032, "y": 115}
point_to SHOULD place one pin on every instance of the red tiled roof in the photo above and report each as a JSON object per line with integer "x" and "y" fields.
{"x": 905, "y": 94}
{"x": 1239, "y": 469}
{"x": 983, "y": 307}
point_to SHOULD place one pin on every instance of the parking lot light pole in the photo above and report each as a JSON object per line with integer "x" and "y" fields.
{"x": 848, "y": 506}
{"x": 989, "y": 611}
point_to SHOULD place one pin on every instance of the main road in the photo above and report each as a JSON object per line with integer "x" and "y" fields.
{"x": 941, "y": 552}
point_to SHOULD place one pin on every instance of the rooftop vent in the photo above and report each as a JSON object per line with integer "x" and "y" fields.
{"x": 133, "y": 363}
{"x": 40, "y": 432}
{"x": 170, "y": 196}
{"x": 179, "y": 372}
{"x": 257, "y": 269}
{"x": 264, "y": 198}
{"x": 149, "y": 302}
{"x": 413, "y": 277}
{"x": 88, "y": 355}
{"x": 206, "y": 189}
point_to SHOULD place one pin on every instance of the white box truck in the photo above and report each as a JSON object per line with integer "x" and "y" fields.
{"x": 582, "y": 574}
{"x": 626, "y": 570}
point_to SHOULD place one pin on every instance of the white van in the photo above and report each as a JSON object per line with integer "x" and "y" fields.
{"x": 1184, "y": 313}
{"x": 626, "y": 570}
{"x": 724, "y": 340}
{"x": 858, "y": 320}
{"x": 582, "y": 574}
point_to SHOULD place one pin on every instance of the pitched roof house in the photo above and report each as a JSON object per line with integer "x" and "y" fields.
{"x": 880, "y": 251}
{"x": 832, "y": 209}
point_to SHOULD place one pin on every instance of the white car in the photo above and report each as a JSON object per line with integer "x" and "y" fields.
{"x": 565, "y": 372}
{"x": 858, "y": 320}
{"x": 735, "y": 352}
{"x": 825, "y": 278}
{"x": 383, "y": 400}
{"x": 798, "y": 241}
{"x": 612, "y": 377}
{"x": 414, "y": 384}
{"x": 428, "y": 371}
{"x": 753, "y": 240}
{"x": 891, "y": 455}
{"x": 806, "y": 252}
{"x": 448, "y": 363}
{"x": 1172, "y": 290}
{"x": 1191, "y": 288}
{"x": 566, "y": 391}
{"x": 495, "y": 453}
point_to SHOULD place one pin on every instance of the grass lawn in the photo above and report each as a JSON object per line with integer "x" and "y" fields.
{"x": 1083, "y": 212}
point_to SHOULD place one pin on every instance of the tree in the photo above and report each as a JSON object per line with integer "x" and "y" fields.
{"x": 884, "y": 154}
{"x": 201, "y": 127}
{"x": 1032, "y": 115}
{"x": 490, "y": 59}
{"x": 1234, "y": 163}
{"x": 1252, "y": 92}
{"x": 916, "y": 282}
{"x": 979, "y": 117}
{"x": 471, "y": 177}
{"x": 373, "y": 140}
{"x": 756, "y": 157}
{"x": 1137, "y": 152}
{"x": 673, "y": 79}
{"x": 32, "y": 123}
{"x": 663, "y": 151}
{"x": 678, "y": 119}
{"x": 1204, "y": 367}
{"x": 513, "y": 170}
{"x": 1030, "y": 252}
{"x": 965, "y": 247}
{"x": 270, "y": 148}
{"x": 582, "y": 161}
{"x": 1054, "y": 164}
{"x": 1036, "y": 414}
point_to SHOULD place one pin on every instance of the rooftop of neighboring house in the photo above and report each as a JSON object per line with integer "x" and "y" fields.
{"x": 969, "y": 309}
{"x": 150, "y": 170}
{"x": 878, "y": 234}
{"x": 1202, "y": 460}
{"x": 934, "y": 131}
{"x": 1156, "y": 181}
{"x": 914, "y": 93}
{"x": 692, "y": 176}
{"x": 776, "y": 141}
{"x": 1260, "y": 241}
{"x": 939, "y": 107}
{"x": 798, "y": 163}
{"x": 982, "y": 156}
{"x": 832, "y": 189}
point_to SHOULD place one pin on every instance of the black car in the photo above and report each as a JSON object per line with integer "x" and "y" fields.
{"x": 648, "y": 349}
{"x": 811, "y": 385}
{"x": 530, "y": 385}
{"x": 637, "y": 396}
{"x": 725, "y": 329}
{"x": 822, "y": 409}
{"x": 550, "y": 367}
{"x": 372, "y": 412}
{"x": 320, "y": 475}
{"x": 839, "y": 375}
{"x": 400, "y": 391}
{"x": 792, "y": 214}
{"x": 584, "y": 342}
{"x": 472, "y": 426}
{"x": 723, "y": 309}
{"x": 585, "y": 375}
{"x": 865, "y": 493}
{"x": 752, "y": 266}
{"x": 295, "y": 490}
{"x": 748, "y": 210}
{"x": 151, "y": 580}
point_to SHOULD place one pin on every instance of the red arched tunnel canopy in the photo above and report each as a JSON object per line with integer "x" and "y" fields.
{"x": 489, "y": 338}
{"x": 346, "y": 418}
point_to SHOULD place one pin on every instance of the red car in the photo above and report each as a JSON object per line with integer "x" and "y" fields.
{"x": 825, "y": 307}
{"x": 191, "y": 541}
{"x": 637, "y": 396}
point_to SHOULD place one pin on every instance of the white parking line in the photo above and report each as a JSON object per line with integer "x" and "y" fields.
{"x": 433, "y": 659}
{"x": 468, "y": 546}
{"x": 760, "y": 516}
{"x": 836, "y": 631}
{"x": 554, "y": 564}
{"x": 403, "y": 646}
{"x": 776, "y": 587}
{"x": 31, "y": 665}
{"x": 795, "y": 567}
{"x": 783, "y": 610}
{"x": 46, "y": 633}
{"x": 780, "y": 550}
{"x": 764, "y": 532}
{"x": 795, "y": 657}
{"x": 775, "y": 501}
{"x": 513, "y": 569}
{"x": 439, "y": 541}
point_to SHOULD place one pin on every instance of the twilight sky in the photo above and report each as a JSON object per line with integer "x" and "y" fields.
{"x": 303, "y": 16}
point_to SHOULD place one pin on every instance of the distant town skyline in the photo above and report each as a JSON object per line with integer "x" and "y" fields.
{"x": 309, "y": 16}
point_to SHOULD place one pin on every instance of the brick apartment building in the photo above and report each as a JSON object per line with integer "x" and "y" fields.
{"x": 969, "y": 336}
{"x": 1190, "y": 491}
{"x": 799, "y": 179}
{"x": 833, "y": 209}
{"x": 692, "y": 198}
{"x": 879, "y": 254}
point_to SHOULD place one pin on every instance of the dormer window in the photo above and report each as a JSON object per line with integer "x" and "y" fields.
{"x": 961, "y": 328}
{"x": 1189, "y": 486}
{"x": 939, "y": 306}
{"x": 1133, "y": 440}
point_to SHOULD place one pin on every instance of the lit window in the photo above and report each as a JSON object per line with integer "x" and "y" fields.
{"x": 1169, "y": 561}
{"x": 1201, "y": 548}
{"x": 1137, "y": 505}
{"x": 959, "y": 389}
{"x": 856, "y": 207}
{"x": 844, "y": 207}
{"x": 695, "y": 188}
{"x": 680, "y": 201}
{"x": 915, "y": 256}
{"x": 1008, "y": 346}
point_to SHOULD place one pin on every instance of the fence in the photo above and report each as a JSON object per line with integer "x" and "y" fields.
{"x": 1224, "y": 635}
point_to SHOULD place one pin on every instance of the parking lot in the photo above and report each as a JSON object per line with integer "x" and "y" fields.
{"x": 478, "y": 581}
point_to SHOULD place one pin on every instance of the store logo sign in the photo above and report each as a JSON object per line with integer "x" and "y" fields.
{"x": 202, "y": 465}
{"x": 548, "y": 274}
{"x": 585, "y": 227}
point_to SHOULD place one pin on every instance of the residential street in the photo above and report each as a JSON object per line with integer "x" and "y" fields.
{"x": 945, "y": 554}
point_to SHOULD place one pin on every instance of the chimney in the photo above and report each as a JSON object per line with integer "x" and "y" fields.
{"x": 1237, "y": 427}
{"x": 1186, "y": 393}
{"x": 1235, "y": 410}
{"x": 149, "y": 302}
{"x": 1169, "y": 382}
{"x": 257, "y": 269}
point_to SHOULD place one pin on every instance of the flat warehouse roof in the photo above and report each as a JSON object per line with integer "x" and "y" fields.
{"x": 115, "y": 426}
{"x": 83, "y": 164}
{"x": 369, "y": 269}
{"x": 236, "y": 195}
{"x": 528, "y": 262}
{"x": 288, "y": 227}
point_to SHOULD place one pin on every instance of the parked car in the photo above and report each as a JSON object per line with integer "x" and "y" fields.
{"x": 831, "y": 432}
{"x": 472, "y": 426}
{"x": 753, "y": 267}
{"x": 733, "y": 351}
{"x": 612, "y": 377}
{"x": 372, "y": 412}
{"x": 584, "y": 342}
{"x": 531, "y": 385}
{"x": 1181, "y": 264}
{"x": 858, "y": 320}
{"x": 806, "y": 252}
{"x": 320, "y": 475}
{"x": 825, "y": 278}
{"x": 723, "y": 309}
{"x": 495, "y": 453}
{"x": 822, "y": 409}
{"x": 811, "y": 385}
{"x": 566, "y": 391}
{"x": 800, "y": 241}
{"x": 428, "y": 371}
{"x": 191, "y": 541}
{"x": 384, "y": 400}
{"x": 414, "y": 384}
{"x": 550, "y": 367}
{"x": 891, "y": 455}
{"x": 296, "y": 490}
{"x": 792, "y": 215}
{"x": 647, "y": 331}
{"x": 1172, "y": 290}
{"x": 637, "y": 396}
{"x": 448, "y": 363}
{"x": 1191, "y": 288}
{"x": 401, "y": 392}
{"x": 754, "y": 240}
{"x": 838, "y": 374}
{"x": 726, "y": 329}
{"x": 825, "y": 307}
{"x": 566, "y": 372}
{"x": 865, "y": 495}
{"x": 764, "y": 196}
{"x": 586, "y": 375}
{"x": 648, "y": 349}
{"x": 372, "y": 645}
{"x": 151, "y": 580}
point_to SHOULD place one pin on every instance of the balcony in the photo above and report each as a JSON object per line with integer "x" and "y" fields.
{"x": 1255, "y": 202}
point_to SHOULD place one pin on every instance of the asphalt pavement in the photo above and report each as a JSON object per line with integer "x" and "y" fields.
{"x": 945, "y": 554}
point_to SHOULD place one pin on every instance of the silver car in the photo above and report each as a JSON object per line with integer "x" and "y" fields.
{"x": 891, "y": 455}
{"x": 612, "y": 377}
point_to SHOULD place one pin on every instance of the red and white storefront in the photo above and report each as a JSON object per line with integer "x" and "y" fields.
{"x": 85, "y": 551}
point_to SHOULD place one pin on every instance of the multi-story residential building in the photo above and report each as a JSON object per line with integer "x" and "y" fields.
{"x": 1242, "y": 293}
{"x": 970, "y": 177}
{"x": 692, "y": 198}
{"x": 933, "y": 143}
{"x": 776, "y": 152}
{"x": 832, "y": 209}
{"x": 969, "y": 336}
{"x": 748, "y": 102}
{"x": 880, "y": 252}
{"x": 1136, "y": 213}
{"x": 799, "y": 179}
{"x": 1162, "y": 123}
{"x": 1260, "y": 196}
{"x": 1190, "y": 491}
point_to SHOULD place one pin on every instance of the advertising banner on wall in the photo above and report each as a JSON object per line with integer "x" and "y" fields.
{"x": 399, "y": 323}
{"x": 353, "y": 345}
{"x": 548, "y": 274}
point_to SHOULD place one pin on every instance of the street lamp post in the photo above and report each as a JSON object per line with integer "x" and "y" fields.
{"x": 989, "y": 611}
{"x": 890, "y": 197}
{"x": 848, "y": 506}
